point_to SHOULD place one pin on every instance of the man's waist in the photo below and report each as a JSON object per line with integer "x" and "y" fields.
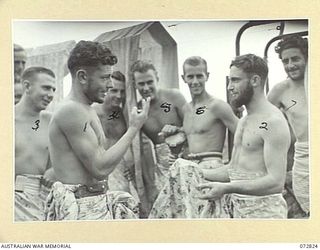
{"x": 87, "y": 190}
{"x": 30, "y": 182}
{"x": 204, "y": 155}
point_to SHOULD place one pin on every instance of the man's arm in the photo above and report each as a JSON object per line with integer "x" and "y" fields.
{"x": 274, "y": 96}
{"x": 179, "y": 102}
{"x": 223, "y": 111}
{"x": 218, "y": 174}
{"x": 85, "y": 144}
{"x": 276, "y": 144}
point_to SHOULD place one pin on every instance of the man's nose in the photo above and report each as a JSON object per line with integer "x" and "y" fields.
{"x": 230, "y": 86}
{"x": 51, "y": 93}
{"x": 145, "y": 87}
{"x": 195, "y": 80}
{"x": 291, "y": 65}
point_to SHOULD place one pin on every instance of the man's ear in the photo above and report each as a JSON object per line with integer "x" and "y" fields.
{"x": 26, "y": 84}
{"x": 82, "y": 76}
{"x": 208, "y": 74}
{"x": 255, "y": 81}
{"x": 182, "y": 76}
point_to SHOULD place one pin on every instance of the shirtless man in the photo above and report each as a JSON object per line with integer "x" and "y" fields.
{"x": 20, "y": 58}
{"x": 256, "y": 174}
{"x": 110, "y": 113}
{"x": 291, "y": 97}
{"x": 31, "y": 143}
{"x": 165, "y": 109}
{"x": 77, "y": 143}
{"x": 205, "y": 122}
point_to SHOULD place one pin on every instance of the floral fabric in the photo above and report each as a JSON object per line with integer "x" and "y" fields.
{"x": 178, "y": 198}
{"x": 62, "y": 204}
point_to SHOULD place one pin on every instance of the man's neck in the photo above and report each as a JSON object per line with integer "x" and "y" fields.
{"x": 26, "y": 108}
{"x": 203, "y": 97}
{"x": 77, "y": 94}
{"x": 107, "y": 108}
{"x": 297, "y": 83}
{"x": 257, "y": 103}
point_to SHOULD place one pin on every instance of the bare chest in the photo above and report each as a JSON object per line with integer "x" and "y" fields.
{"x": 295, "y": 105}
{"x": 199, "y": 120}
{"x": 32, "y": 136}
{"x": 249, "y": 135}
{"x": 113, "y": 128}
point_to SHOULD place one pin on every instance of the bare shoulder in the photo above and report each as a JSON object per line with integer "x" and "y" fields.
{"x": 70, "y": 111}
{"x": 45, "y": 115}
{"x": 97, "y": 107}
{"x": 217, "y": 105}
{"x": 172, "y": 95}
{"x": 280, "y": 88}
{"x": 276, "y": 123}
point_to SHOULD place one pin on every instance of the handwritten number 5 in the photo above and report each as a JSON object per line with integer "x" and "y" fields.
{"x": 37, "y": 125}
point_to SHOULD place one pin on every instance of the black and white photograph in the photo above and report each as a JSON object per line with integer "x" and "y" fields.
{"x": 161, "y": 119}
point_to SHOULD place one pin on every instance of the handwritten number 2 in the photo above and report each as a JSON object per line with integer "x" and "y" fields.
{"x": 36, "y": 124}
{"x": 264, "y": 125}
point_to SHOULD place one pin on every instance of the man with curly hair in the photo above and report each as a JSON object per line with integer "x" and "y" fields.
{"x": 77, "y": 143}
{"x": 290, "y": 96}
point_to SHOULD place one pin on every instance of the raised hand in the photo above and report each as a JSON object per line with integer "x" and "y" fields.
{"x": 139, "y": 117}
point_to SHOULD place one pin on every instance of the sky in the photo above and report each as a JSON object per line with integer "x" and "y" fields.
{"x": 211, "y": 39}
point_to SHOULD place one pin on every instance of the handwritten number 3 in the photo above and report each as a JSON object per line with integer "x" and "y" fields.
{"x": 37, "y": 125}
{"x": 264, "y": 125}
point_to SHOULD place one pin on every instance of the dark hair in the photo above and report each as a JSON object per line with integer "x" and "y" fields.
{"x": 118, "y": 76}
{"x": 142, "y": 67}
{"x": 17, "y": 48}
{"x": 30, "y": 72}
{"x": 195, "y": 61}
{"x": 90, "y": 54}
{"x": 251, "y": 64}
{"x": 293, "y": 41}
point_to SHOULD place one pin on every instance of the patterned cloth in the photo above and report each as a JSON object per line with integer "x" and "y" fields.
{"x": 178, "y": 198}
{"x": 300, "y": 175}
{"x": 162, "y": 152}
{"x": 29, "y": 198}
{"x": 62, "y": 204}
{"x": 260, "y": 207}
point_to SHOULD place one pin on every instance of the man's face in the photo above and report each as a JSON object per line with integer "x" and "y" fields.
{"x": 41, "y": 91}
{"x": 146, "y": 83}
{"x": 99, "y": 79}
{"x": 116, "y": 93}
{"x": 20, "y": 58}
{"x": 239, "y": 87}
{"x": 294, "y": 63}
{"x": 195, "y": 77}
{"x": 18, "y": 91}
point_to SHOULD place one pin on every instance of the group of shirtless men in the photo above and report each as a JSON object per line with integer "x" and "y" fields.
{"x": 76, "y": 163}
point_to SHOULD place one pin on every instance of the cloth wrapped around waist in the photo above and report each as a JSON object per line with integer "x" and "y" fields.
{"x": 65, "y": 202}
{"x": 271, "y": 206}
{"x": 30, "y": 196}
{"x": 300, "y": 175}
{"x": 178, "y": 198}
